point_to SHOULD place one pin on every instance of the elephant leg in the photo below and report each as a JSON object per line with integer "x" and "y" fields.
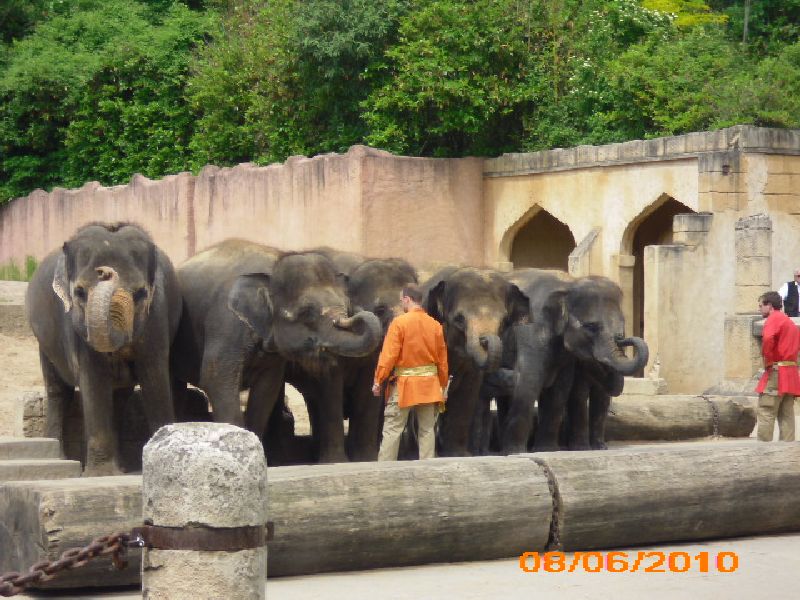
{"x": 365, "y": 419}
{"x": 58, "y": 395}
{"x": 599, "y": 403}
{"x": 98, "y": 416}
{"x": 154, "y": 379}
{"x": 578, "y": 415}
{"x": 264, "y": 394}
{"x": 221, "y": 379}
{"x": 330, "y": 429}
{"x": 481, "y": 425}
{"x": 457, "y": 419}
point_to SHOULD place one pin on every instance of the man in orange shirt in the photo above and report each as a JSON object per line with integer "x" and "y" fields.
{"x": 415, "y": 354}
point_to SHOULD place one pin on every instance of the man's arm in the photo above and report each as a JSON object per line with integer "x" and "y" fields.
{"x": 390, "y": 352}
{"x": 769, "y": 342}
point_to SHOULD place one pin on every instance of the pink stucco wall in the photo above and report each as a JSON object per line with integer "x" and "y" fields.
{"x": 369, "y": 201}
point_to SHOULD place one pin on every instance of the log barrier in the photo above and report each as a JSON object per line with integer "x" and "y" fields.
{"x": 367, "y": 515}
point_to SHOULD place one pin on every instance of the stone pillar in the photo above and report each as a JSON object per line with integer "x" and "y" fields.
{"x": 753, "y": 245}
{"x": 202, "y": 478}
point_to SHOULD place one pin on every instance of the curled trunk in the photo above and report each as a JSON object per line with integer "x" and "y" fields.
{"x": 109, "y": 313}
{"x": 623, "y": 364}
{"x": 356, "y": 336}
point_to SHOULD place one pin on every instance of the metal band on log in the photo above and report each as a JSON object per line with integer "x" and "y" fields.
{"x": 673, "y": 418}
{"x": 326, "y": 517}
{"x": 675, "y": 492}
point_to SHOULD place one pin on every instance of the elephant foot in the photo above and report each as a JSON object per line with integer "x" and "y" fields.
{"x": 580, "y": 447}
{"x": 599, "y": 445}
{"x": 333, "y": 456}
{"x": 515, "y": 449}
{"x": 102, "y": 470}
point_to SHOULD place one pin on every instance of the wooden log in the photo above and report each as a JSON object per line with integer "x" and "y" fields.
{"x": 41, "y": 519}
{"x": 679, "y": 417}
{"x": 327, "y": 517}
{"x": 367, "y": 515}
{"x": 674, "y": 492}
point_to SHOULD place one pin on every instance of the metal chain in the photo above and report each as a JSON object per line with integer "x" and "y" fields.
{"x": 14, "y": 583}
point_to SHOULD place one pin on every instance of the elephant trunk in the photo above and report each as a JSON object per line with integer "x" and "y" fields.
{"x": 109, "y": 313}
{"x": 621, "y": 363}
{"x": 486, "y": 351}
{"x": 356, "y": 336}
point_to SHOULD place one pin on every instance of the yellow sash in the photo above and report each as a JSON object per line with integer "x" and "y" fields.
{"x": 421, "y": 371}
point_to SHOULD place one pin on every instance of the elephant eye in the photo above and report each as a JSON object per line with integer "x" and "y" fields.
{"x": 306, "y": 313}
{"x": 380, "y": 310}
{"x": 460, "y": 321}
{"x": 140, "y": 294}
{"x": 592, "y": 327}
{"x": 80, "y": 292}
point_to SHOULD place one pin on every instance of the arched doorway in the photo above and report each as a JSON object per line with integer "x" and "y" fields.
{"x": 653, "y": 227}
{"x": 543, "y": 242}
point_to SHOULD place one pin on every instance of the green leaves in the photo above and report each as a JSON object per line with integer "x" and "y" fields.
{"x": 101, "y": 89}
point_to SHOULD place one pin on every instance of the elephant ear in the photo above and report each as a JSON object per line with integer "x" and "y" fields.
{"x": 152, "y": 264}
{"x": 555, "y": 310}
{"x": 61, "y": 281}
{"x": 249, "y": 299}
{"x": 434, "y": 303}
{"x": 518, "y": 306}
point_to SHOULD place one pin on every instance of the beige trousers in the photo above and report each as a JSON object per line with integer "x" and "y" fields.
{"x": 771, "y": 405}
{"x": 394, "y": 421}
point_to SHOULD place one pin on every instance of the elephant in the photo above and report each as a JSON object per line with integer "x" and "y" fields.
{"x": 105, "y": 309}
{"x": 373, "y": 285}
{"x": 249, "y": 310}
{"x": 596, "y": 338}
{"x": 566, "y": 349}
{"x": 473, "y": 306}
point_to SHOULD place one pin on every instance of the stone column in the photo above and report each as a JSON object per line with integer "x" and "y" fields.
{"x": 753, "y": 245}
{"x": 202, "y": 479}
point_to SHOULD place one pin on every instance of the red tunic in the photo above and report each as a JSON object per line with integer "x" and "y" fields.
{"x": 780, "y": 342}
{"x": 414, "y": 339}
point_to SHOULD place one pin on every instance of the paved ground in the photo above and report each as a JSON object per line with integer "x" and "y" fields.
{"x": 767, "y": 567}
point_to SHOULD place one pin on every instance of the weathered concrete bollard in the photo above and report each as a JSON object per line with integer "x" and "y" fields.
{"x": 204, "y": 495}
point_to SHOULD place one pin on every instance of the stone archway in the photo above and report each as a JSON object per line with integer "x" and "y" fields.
{"x": 543, "y": 242}
{"x": 652, "y": 227}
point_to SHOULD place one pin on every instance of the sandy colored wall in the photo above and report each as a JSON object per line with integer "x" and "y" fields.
{"x": 429, "y": 211}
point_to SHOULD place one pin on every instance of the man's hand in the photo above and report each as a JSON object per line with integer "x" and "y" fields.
{"x": 376, "y": 390}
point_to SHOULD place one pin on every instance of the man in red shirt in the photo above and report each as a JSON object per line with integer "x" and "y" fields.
{"x": 781, "y": 381}
{"x": 414, "y": 353}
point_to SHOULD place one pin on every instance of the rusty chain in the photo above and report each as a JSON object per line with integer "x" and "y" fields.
{"x": 117, "y": 544}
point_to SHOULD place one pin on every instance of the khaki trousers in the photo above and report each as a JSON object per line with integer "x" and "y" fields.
{"x": 770, "y": 405}
{"x": 394, "y": 421}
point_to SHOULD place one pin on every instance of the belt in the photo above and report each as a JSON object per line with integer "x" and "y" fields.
{"x": 421, "y": 371}
{"x": 785, "y": 363}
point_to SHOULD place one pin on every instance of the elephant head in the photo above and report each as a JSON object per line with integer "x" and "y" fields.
{"x": 472, "y": 304}
{"x": 301, "y": 309}
{"x": 376, "y": 285}
{"x": 595, "y": 333}
{"x": 105, "y": 278}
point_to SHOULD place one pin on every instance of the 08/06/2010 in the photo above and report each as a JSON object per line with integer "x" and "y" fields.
{"x": 628, "y": 562}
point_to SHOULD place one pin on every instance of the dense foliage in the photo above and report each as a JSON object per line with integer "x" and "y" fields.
{"x": 102, "y": 89}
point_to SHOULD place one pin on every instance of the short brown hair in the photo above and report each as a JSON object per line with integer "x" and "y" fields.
{"x": 773, "y": 299}
{"x": 410, "y": 290}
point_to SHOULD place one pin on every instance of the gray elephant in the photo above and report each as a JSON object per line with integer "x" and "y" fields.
{"x": 373, "y": 285}
{"x": 248, "y": 310}
{"x": 568, "y": 347}
{"x": 596, "y": 338}
{"x": 473, "y": 306}
{"x": 105, "y": 309}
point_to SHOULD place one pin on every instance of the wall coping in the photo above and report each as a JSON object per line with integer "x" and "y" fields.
{"x": 741, "y": 138}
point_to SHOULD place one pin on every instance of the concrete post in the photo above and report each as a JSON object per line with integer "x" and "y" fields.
{"x": 203, "y": 479}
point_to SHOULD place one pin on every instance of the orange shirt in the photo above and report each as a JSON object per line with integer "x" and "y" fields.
{"x": 414, "y": 339}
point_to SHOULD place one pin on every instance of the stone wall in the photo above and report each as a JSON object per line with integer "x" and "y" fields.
{"x": 470, "y": 210}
